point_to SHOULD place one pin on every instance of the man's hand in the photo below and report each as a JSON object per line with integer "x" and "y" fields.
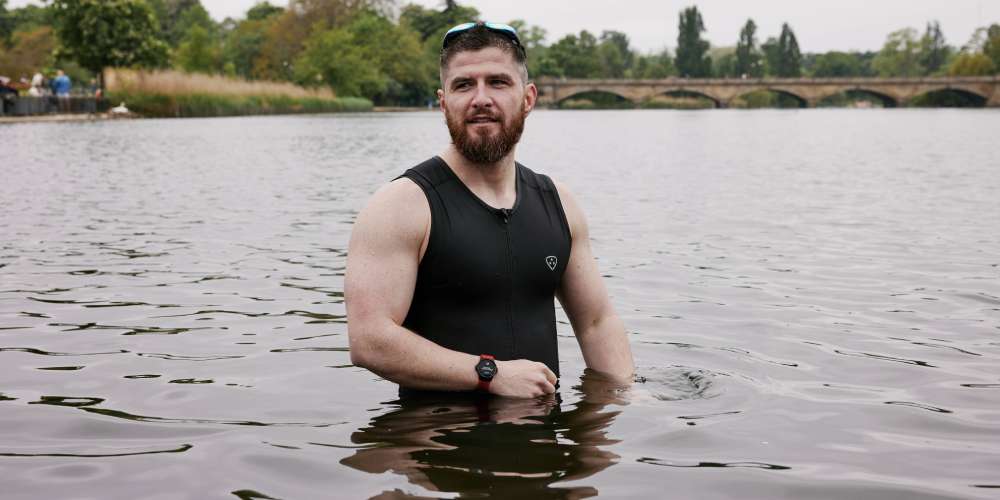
{"x": 521, "y": 378}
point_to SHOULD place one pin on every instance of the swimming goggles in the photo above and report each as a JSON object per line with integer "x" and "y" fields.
{"x": 502, "y": 29}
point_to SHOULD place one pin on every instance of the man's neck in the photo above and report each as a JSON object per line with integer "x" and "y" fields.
{"x": 495, "y": 184}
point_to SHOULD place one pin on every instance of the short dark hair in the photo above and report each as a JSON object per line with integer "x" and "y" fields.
{"x": 479, "y": 38}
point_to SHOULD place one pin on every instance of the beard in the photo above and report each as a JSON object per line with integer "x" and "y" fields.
{"x": 483, "y": 149}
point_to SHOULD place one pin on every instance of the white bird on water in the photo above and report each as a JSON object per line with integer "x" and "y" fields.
{"x": 120, "y": 109}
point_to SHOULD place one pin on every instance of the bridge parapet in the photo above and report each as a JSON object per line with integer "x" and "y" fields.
{"x": 809, "y": 90}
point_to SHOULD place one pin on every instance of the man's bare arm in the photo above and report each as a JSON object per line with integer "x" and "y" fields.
{"x": 598, "y": 328}
{"x": 383, "y": 257}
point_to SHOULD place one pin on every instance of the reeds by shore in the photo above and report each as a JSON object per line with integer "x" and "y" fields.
{"x": 176, "y": 94}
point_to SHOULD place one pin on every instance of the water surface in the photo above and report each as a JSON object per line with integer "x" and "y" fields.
{"x": 812, "y": 297}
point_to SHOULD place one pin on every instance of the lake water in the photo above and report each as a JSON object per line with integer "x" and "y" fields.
{"x": 812, "y": 298}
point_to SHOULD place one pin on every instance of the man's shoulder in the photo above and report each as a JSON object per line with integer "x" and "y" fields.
{"x": 402, "y": 193}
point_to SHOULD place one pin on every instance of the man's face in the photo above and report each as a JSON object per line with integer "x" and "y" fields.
{"x": 485, "y": 102}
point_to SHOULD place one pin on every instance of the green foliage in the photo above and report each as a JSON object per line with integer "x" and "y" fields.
{"x": 900, "y": 56}
{"x": 615, "y": 55}
{"x": 788, "y": 59}
{"x": 934, "y": 52}
{"x": 653, "y": 66}
{"x": 576, "y": 56}
{"x": 243, "y": 45}
{"x": 177, "y": 17}
{"x": 262, "y": 10}
{"x": 991, "y": 47}
{"x": 432, "y": 24}
{"x": 204, "y": 105}
{"x": 975, "y": 64}
{"x": 748, "y": 57}
{"x": 28, "y": 52}
{"x": 6, "y": 23}
{"x": 692, "y": 60}
{"x": 723, "y": 62}
{"x": 197, "y": 52}
{"x": 838, "y": 65}
{"x": 27, "y": 18}
{"x": 370, "y": 57}
{"x": 100, "y": 33}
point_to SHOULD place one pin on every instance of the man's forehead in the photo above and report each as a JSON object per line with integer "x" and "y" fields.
{"x": 488, "y": 60}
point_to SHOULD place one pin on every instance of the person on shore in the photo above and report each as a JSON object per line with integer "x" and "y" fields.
{"x": 453, "y": 267}
{"x": 8, "y": 95}
{"x": 61, "y": 87}
{"x": 37, "y": 88}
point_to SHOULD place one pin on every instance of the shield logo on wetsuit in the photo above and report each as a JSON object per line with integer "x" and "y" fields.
{"x": 551, "y": 261}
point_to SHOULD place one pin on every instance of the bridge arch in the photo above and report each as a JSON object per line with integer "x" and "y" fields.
{"x": 802, "y": 102}
{"x": 950, "y": 96}
{"x": 887, "y": 100}
{"x": 685, "y": 92}
{"x": 600, "y": 98}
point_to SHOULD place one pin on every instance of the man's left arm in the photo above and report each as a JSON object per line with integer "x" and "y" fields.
{"x": 598, "y": 328}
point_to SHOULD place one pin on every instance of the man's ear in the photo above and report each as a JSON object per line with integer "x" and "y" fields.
{"x": 440, "y": 95}
{"x": 530, "y": 97}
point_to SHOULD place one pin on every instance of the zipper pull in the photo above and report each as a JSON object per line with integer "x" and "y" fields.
{"x": 505, "y": 213}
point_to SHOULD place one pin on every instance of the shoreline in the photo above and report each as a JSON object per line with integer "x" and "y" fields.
{"x": 90, "y": 117}
{"x": 60, "y": 118}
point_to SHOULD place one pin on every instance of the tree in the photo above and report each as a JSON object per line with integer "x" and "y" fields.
{"x": 262, "y": 10}
{"x": 991, "y": 47}
{"x": 747, "y": 55}
{"x": 243, "y": 45}
{"x": 370, "y": 57}
{"x": 576, "y": 56}
{"x": 837, "y": 65}
{"x": 178, "y": 16}
{"x": 288, "y": 31}
{"x": 197, "y": 52}
{"x": 654, "y": 66}
{"x": 900, "y": 56}
{"x": 101, "y": 33}
{"x": 691, "y": 60}
{"x": 724, "y": 63}
{"x": 29, "y": 51}
{"x": 6, "y": 23}
{"x": 974, "y": 64}
{"x": 615, "y": 55}
{"x": 934, "y": 52}
{"x": 789, "y": 58}
{"x": 432, "y": 24}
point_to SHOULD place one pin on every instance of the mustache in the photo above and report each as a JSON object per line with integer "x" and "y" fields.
{"x": 487, "y": 116}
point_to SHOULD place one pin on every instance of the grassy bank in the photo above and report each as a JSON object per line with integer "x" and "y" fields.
{"x": 174, "y": 94}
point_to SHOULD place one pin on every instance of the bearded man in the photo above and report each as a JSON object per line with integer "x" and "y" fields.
{"x": 454, "y": 266}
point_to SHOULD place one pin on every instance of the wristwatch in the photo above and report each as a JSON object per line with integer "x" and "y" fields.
{"x": 486, "y": 369}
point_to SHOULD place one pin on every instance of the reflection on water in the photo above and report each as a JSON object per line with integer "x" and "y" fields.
{"x": 812, "y": 297}
{"x": 495, "y": 446}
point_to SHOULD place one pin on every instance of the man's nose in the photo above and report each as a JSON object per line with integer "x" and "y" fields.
{"x": 481, "y": 99}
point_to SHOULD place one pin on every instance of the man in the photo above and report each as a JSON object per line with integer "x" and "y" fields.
{"x": 453, "y": 267}
{"x": 61, "y": 86}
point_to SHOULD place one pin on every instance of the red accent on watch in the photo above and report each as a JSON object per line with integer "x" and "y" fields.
{"x": 484, "y": 385}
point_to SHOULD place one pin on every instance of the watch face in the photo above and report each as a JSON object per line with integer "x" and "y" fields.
{"x": 486, "y": 369}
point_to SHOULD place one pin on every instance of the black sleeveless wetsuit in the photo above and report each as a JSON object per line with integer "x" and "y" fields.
{"x": 487, "y": 281}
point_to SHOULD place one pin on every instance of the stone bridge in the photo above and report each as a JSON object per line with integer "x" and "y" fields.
{"x": 808, "y": 91}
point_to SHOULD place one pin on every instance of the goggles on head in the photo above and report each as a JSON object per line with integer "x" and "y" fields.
{"x": 502, "y": 29}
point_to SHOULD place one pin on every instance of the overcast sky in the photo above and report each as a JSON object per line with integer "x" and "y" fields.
{"x": 820, "y": 25}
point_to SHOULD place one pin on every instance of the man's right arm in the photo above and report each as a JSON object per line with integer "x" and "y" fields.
{"x": 383, "y": 258}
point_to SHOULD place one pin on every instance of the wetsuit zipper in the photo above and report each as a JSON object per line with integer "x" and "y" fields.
{"x": 505, "y": 213}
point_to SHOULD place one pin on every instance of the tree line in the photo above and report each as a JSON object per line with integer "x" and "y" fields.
{"x": 388, "y": 52}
